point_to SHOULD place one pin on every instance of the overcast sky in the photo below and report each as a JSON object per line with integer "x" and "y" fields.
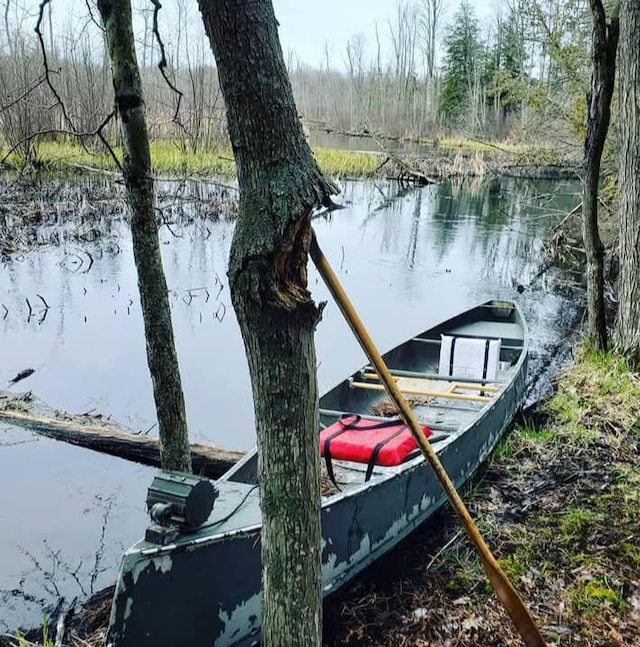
{"x": 306, "y": 25}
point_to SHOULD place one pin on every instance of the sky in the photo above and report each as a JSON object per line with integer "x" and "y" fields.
{"x": 306, "y": 25}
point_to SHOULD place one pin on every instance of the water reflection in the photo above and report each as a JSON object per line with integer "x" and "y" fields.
{"x": 407, "y": 256}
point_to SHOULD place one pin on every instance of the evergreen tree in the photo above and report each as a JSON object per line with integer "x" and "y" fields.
{"x": 506, "y": 66}
{"x": 463, "y": 55}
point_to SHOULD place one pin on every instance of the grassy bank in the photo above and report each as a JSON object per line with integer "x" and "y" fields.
{"x": 559, "y": 504}
{"x": 446, "y": 158}
{"x": 169, "y": 159}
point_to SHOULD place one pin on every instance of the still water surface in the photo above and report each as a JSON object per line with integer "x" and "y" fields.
{"x": 407, "y": 261}
{"x": 407, "y": 258}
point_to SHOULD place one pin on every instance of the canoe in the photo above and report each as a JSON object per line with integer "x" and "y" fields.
{"x": 465, "y": 378}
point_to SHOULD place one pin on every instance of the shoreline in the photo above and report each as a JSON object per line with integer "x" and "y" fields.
{"x": 444, "y": 160}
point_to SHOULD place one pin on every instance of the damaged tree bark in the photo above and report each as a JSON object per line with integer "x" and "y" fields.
{"x": 603, "y": 54}
{"x": 158, "y": 329}
{"x": 280, "y": 183}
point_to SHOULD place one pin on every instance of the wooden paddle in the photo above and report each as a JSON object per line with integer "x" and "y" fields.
{"x": 501, "y": 584}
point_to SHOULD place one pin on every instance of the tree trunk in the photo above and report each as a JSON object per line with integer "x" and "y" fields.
{"x": 603, "y": 55}
{"x": 280, "y": 183}
{"x": 628, "y": 326}
{"x": 161, "y": 351}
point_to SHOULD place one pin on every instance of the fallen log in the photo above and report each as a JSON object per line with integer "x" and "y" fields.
{"x": 108, "y": 437}
{"x": 408, "y": 172}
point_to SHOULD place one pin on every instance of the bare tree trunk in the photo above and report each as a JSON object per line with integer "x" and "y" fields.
{"x": 628, "y": 327}
{"x": 161, "y": 351}
{"x": 280, "y": 183}
{"x": 603, "y": 54}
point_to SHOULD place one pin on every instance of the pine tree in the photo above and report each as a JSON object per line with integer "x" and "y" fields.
{"x": 463, "y": 56}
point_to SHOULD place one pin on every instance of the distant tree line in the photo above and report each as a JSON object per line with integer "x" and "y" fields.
{"x": 521, "y": 73}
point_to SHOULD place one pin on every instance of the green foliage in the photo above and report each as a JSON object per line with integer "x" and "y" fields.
{"x": 46, "y": 641}
{"x": 513, "y": 568}
{"x": 576, "y": 523}
{"x": 466, "y": 569}
{"x": 592, "y": 595}
{"x": 463, "y": 51}
{"x": 507, "y": 79}
{"x": 577, "y": 116}
{"x": 631, "y": 553}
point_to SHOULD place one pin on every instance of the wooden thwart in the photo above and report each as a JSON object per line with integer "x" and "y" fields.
{"x": 427, "y": 393}
{"x": 454, "y": 384}
{"x": 433, "y": 376}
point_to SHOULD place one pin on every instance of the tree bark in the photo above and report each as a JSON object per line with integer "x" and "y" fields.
{"x": 280, "y": 183}
{"x": 628, "y": 324}
{"x": 604, "y": 47}
{"x": 161, "y": 351}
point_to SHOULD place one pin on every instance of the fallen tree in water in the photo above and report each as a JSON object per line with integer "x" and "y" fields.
{"x": 95, "y": 432}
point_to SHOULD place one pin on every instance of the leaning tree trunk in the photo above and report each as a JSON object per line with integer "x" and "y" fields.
{"x": 603, "y": 55}
{"x": 280, "y": 183}
{"x": 161, "y": 351}
{"x": 628, "y": 325}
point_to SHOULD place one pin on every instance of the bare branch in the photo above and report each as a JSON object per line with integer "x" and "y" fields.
{"x": 103, "y": 139}
{"x": 162, "y": 64}
{"x": 45, "y": 61}
{"x": 72, "y": 133}
{"x": 93, "y": 20}
{"x": 25, "y": 94}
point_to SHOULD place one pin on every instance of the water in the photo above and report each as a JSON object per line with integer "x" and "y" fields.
{"x": 407, "y": 258}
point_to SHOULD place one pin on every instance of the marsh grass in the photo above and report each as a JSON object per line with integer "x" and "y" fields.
{"x": 171, "y": 159}
{"x": 517, "y": 151}
{"x": 20, "y": 640}
{"x": 347, "y": 163}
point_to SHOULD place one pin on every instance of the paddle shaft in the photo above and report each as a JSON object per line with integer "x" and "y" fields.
{"x": 501, "y": 584}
